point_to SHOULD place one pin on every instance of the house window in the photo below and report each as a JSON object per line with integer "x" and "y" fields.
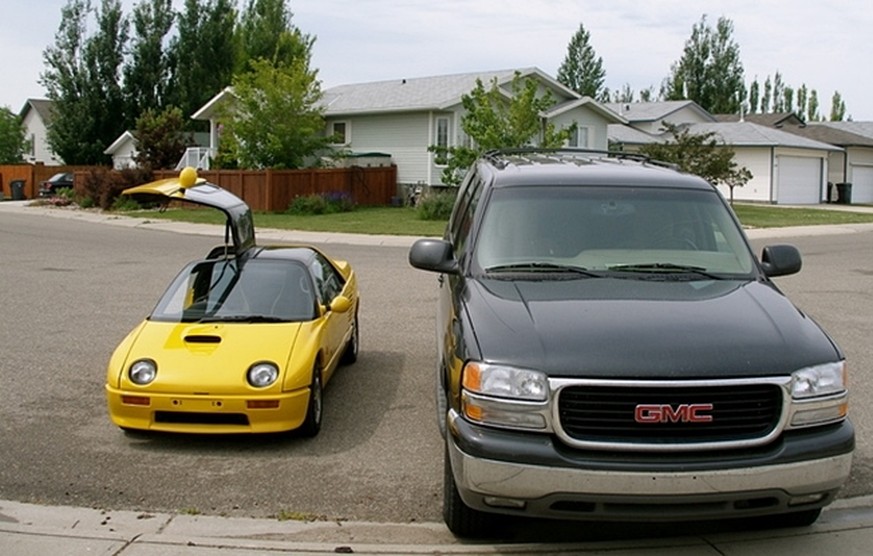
{"x": 340, "y": 133}
{"x": 442, "y": 139}
{"x": 578, "y": 137}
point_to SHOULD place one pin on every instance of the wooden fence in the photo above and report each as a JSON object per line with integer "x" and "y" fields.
{"x": 262, "y": 190}
{"x": 32, "y": 175}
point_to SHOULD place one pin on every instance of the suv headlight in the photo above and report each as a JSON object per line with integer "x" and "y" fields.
{"x": 505, "y": 396}
{"x": 819, "y": 395}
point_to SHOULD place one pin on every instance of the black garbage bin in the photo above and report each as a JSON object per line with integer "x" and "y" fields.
{"x": 17, "y": 188}
{"x": 844, "y": 193}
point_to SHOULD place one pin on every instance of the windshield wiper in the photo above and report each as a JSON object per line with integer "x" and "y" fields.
{"x": 664, "y": 268}
{"x": 542, "y": 267}
{"x": 242, "y": 318}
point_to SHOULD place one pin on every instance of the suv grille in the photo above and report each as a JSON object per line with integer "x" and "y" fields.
{"x": 739, "y": 413}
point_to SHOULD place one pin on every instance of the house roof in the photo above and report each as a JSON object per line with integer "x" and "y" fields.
{"x": 736, "y": 134}
{"x": 654, "y": 111}
{"x": 42, "y": 106}
{"x": 125, "y": 137}
{"x": 438, "y": 92}
{"x": 748, "y": 134}
{"x": 597, "y": 107}
{"x": 625, "y": 134}
{"x": 832, "y": 135}
{"x": 779, "y": 119}
{"x": 864, "y": 129}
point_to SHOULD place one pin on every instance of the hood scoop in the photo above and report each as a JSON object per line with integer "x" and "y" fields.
{"x": 202, "y": 339}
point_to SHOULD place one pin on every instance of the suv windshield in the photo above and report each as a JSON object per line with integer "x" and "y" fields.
{"x": 222, "y": 290}
{"x": 632, "y": 230}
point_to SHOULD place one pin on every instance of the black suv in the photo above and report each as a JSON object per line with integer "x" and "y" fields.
{"x": 609, "y": 348}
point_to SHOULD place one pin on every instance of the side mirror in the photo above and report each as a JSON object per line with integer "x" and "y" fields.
{"x": 340, "y": 304}
{"x": 780, "y": 260}
{"x": 433, "y": 254}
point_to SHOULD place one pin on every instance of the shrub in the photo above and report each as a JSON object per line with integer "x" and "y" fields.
{"x": 103, "y": 186}
{"x": 436, "y": 205}
{"x": 325, "y": 203}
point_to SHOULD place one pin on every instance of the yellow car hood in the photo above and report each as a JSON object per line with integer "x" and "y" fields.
{"x": 211, "y": 358}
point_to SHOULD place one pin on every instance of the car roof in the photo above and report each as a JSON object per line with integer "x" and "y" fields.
{"x": 301, "y": 253}
{"x": 582, "y": 167}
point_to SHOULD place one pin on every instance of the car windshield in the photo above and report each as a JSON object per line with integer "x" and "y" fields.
{"x": 632, "y": 232}
{"x": 59, "y": 177}
{"x": 222, "y": 290}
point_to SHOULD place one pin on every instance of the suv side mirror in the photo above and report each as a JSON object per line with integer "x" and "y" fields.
{"x": 433, "y": 254}
{"x": 780, "y": 260}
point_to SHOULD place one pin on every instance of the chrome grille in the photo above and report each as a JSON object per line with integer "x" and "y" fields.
{"x": 606, "y": 413}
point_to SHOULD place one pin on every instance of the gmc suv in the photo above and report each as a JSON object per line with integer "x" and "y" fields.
{"x": 609, "y": 348}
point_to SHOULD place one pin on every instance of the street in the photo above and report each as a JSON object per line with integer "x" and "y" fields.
{"x": 71, "y": 290}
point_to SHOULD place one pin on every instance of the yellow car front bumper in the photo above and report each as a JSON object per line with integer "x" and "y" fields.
{"x": 207, "y": 414}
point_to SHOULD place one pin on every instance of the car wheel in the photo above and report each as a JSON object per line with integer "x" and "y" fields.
{"x": 350, "y": 355}
{"x": 461, "y": 519}
{"x": 312, "y": 423}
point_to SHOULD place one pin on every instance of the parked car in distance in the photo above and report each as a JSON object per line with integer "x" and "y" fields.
{"x": 242, "y": 341}
{"x": 609, "y": 348}
{"x": 51, "y": 186}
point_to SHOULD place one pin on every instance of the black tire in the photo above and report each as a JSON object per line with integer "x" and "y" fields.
{"x": 315, "y": 409}
{"x": 350, "y": 354}
{"x": 795, "y": 519}
{"x": 461, "y": 519}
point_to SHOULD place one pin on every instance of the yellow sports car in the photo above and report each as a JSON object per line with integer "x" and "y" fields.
{"x": 242, "y": 341}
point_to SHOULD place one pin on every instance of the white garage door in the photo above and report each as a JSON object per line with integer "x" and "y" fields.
{"x": 799, "y": 181}
{"x": 862, "y": 184}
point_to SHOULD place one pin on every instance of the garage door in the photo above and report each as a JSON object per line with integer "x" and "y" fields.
{"x": 799, "y": 181}
{"x": 862, "y": 184}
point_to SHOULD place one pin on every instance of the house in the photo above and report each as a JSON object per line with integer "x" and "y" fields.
{"x": 786, "y": 168}
{"x": 854, "y": 163}
{"x": 124, "y": 150}
{"x": 404, "y": 117}
{"x": 35, "y": 116}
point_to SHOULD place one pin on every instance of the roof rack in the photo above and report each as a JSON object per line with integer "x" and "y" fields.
{"x": 496, "y": 156}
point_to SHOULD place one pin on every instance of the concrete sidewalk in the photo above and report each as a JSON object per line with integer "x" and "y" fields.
{"x": 845, "y": 528}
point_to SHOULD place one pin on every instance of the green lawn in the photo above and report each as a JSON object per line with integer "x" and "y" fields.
{"x": 405, "y": 221}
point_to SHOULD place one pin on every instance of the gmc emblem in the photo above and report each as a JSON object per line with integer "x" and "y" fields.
{"x": 666, "y": 413}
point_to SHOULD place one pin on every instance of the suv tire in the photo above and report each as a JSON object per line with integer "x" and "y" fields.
{"x": 461, "y": 519}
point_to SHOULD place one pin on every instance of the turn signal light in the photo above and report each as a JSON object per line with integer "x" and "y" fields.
{"x": 262, "y": 404}
{"x": 135, "y": 400}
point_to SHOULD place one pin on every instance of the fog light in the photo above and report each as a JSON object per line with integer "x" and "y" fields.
{"x": 497, "y": 502}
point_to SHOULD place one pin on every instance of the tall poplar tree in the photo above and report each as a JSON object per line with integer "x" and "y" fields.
{"x": 265, "y": 31}
{"x": 203, "y": 53}
{"x": 582, "y": 70}
{"x": 710, "y": 72}
{"x": 147, "y": 74}
{"x": 82, "y": 77}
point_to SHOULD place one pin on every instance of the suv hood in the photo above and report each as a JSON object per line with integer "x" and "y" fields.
{"x": 689, "y": 329}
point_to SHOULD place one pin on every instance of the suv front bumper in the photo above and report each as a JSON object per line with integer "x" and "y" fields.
{"x": 532, "y": 474}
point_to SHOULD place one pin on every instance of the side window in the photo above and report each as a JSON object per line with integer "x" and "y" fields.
{"x": 442, "y": 139}
{"x": 340, "y": 133}
{"x": 465, "y": 219}
{"x": 328, "y": 282}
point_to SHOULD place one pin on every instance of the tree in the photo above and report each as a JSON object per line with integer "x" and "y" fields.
{"x": 495, "y": 120}
{"x": 202, "y": 53}
{"x": 161, "y": 139}
{"x": 700, "y": 154}
{"x": 82, "y": 78}
{"x": 710, "y": 72}
{"x": 838, "y": 108}
{"x": 265, "y": 32}
{"x": 12, "y": 141}
{"x": 147, "y": 74}
{"x": 812, "y": 114}
{"x": 274, "y": 120}
{"x": 754, "y": 98}
{"x": 582, "y": 70}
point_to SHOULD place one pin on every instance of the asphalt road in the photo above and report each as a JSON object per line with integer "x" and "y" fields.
{"x": 70, "y": 291}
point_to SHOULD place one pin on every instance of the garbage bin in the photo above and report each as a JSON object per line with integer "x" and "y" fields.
{"x": 17, "y": 188}
{"x": 844, "y": 193}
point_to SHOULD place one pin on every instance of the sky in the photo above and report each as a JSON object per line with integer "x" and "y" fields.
{"x": 828, "y": 46}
